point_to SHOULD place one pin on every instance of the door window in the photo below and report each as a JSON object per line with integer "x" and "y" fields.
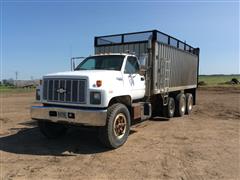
{"x": 132, "y": 66}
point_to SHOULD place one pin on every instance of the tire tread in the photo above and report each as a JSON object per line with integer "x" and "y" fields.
{"x": 105, "y": 131}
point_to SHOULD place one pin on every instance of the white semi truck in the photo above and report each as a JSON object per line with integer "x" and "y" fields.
{"x": 132, "y": 76}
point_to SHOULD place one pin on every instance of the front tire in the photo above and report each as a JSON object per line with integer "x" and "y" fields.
{"x": 52, "y": 130}
{"x": 115, "y": 133}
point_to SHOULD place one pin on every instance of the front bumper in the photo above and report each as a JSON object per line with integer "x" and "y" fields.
{"x": 69, "y": 115}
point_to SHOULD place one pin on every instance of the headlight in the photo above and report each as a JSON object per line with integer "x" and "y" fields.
{"x": 38, "y": 96}
{"x": 95, "y": 97}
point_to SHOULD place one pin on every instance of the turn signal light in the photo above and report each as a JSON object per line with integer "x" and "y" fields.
{"x": 99, "y": 83}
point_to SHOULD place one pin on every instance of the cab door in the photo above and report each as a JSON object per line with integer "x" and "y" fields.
{"x": 133, "y": 81}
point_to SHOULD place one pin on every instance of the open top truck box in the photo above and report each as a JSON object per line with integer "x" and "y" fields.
{"x": 172, "y": 64}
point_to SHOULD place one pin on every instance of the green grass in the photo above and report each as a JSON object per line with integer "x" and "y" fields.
{"x": 214, "y": 80}
{"x": 210, "y": 80}
{"x": 6, "y": 89}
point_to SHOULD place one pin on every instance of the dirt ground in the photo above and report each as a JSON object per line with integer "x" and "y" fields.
{"x": 204, "y": 145}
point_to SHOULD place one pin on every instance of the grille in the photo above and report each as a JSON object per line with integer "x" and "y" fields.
{"x": 64, "y": 90}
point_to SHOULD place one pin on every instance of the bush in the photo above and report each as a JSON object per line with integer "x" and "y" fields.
{"x": 202, "y": 83}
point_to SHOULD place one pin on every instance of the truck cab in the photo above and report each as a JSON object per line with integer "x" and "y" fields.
{"x": 95, "y": 81}
{"x": 84, "y": 95}
{"x": 113, "y": 75}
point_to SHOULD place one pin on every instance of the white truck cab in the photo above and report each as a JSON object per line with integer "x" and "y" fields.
{"x": 106, "y": 76}
{"x": 83, "y": 96}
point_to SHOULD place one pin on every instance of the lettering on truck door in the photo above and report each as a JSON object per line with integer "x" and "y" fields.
{"x": 133, "y": 81}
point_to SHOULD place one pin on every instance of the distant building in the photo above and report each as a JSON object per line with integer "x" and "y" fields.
{"x": 20, "y": 83}
{"x": 8, "y": 82}
{"x": 27, "y": 83}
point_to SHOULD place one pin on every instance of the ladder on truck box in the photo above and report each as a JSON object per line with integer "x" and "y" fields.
{"x": 165, "y": 77}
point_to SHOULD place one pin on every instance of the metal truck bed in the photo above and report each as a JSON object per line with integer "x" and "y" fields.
{"x": 172, "y": 64}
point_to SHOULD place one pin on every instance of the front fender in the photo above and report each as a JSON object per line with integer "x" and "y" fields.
{"x": 109, "y": 95}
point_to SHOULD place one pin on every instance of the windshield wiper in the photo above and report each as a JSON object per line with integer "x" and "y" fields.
{"x": 81, "y": 69}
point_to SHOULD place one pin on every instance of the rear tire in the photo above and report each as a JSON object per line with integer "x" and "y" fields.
{"x": 115, "y": 133}
{"x": 52, "y": 130}
{"x": 169, "y": 110}
{"x": 189, "y": 103}
{"x": 180, "y": 104}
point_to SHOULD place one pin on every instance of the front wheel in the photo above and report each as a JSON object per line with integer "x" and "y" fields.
{"x": 52, "y": 130}
{"x": 115, "y": 133}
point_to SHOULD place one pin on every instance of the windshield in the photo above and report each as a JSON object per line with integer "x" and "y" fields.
{"x": 108, "y": 62}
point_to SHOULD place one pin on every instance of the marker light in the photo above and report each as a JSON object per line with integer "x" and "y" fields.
{"x": 99, "y": 83}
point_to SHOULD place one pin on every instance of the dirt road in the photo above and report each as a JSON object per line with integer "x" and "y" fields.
{"x": 204, "y": 145}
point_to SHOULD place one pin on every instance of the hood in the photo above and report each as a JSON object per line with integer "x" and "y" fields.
{"x": 109, "y": 77}
{"x": 86, "y": 73}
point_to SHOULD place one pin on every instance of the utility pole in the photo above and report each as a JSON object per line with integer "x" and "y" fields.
{"x": 32, "y": 82}
{"x": 16, "y": 73}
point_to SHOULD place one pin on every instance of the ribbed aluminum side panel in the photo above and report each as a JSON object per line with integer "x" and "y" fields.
{"x": 135, "y": 48}
{"x": 183, "y": 67}
{"x": 75, "y": 90}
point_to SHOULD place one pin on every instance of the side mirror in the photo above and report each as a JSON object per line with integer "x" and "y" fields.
{"x": 143, "y": 61}
{"x": 73, "y": 65}
{"x": 73, "y": 61}
{"x": 150, "y": 42}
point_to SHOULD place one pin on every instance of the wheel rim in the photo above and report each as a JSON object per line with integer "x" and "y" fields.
{"x": 183, "y": 108}
{"x": 119, "y": 125}
{"x": 171, "y": 107}
{"x": 190, "y": 104}
{"x": 183, "y": 105}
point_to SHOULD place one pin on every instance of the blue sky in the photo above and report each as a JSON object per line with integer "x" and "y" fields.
{"x": 39, "y": 37}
